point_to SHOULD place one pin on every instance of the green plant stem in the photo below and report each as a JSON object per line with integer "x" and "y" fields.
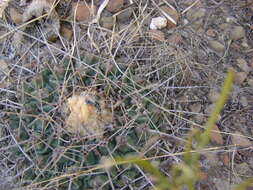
{"x": 227, "y": 86}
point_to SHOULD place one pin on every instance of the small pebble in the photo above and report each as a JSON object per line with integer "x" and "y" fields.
{"x": 244, "y": 101}
{"x": 240, "y": 77}
{"x": 66, "y": 32}
{"x": 158, "y": 23}
{"x": 83, "y": 12}
{"x": 217, "y": 46}
{"x": 213, "y": 95}
{"x": 237, "y": 33}
{"x": 209, "y": 109}
{"x": 125, "y": 15}
{"x": 250, "y": 83}
{"x": 196, "y": 14}
{"x": 16, "y": 16}
{"x": 243, "y": 65}
{"x": 114, "y": 5}
{"x": 196, "y": 107}
{"x": 211, "y": 33}
{"x": 107, "y": 22}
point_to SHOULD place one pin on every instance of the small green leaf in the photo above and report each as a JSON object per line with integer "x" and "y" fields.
{"x": 92, "y": 158}
{"x": 245, "y": 184}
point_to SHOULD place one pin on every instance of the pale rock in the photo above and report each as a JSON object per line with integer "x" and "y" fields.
{"x": 107, "y": 22}
{"x": 237, "y": 33}
{"x": 244, "y": 101}
{"x": 158, "y": 23}
{"x": 15, "y": 16}
{"x": 250, "y": 82}
{"x": 224, "y": 26}
{"x": 231, "y": 19}
{"x": 196, "y": 14}
{"x": 190, "y": 2}
{"x": 243, "y": 65}
{"x": 114, "y": 5}
{"x": 241, "y": 140}
{"x": 211, "y": 32}
{"x": 66, "y": 32}
{"x": 83, "y": 12}
{"x": 4, "y": 70}
{"x": 196, "y": 107}
{"x": 209, "y": 109}
{"x": 125, "y": 15}
{"x": 240, "y": 77}
{"x": 216, "y": 46}
{"x": 245, "y": 44}
{"x": 213, "y": 95}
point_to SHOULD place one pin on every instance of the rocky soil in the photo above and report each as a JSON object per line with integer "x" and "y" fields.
{"x": 159, "y": 64}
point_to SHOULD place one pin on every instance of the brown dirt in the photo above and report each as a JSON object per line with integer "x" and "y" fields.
{"x": 171, "y": 82}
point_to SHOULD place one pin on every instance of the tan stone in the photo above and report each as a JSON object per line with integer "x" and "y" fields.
{"x": 83, "y": 12}
{"x": 196, "y": 107}
{"x": 241, "y": 140}
{"x": 107, "y": 22}
{"x": 125, "y": 15}
{"x": 216, "y": 135}
{"x": 216, "y": 46}
{"x": 240, "y": 77}
{"x": 15, "y": 16}
{"x": 250, "y": 82}
{"x": 4, "y": 68}
{"x": 66, "y": 32}
{"x": 210, "y": 32}
{"x": 243, "y": 65}
{"x": 237, "y": 33}
{"x": 114, "y": 5}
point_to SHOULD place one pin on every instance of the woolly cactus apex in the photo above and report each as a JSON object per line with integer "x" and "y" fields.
{"x": 89, "y": 115}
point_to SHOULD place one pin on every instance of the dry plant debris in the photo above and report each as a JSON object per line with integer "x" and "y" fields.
{"x": 171, "y": 14}
{"x": 241, "y": 140}
{"x": 179, "y": 69}
{"x": 3, "y": 5}
{"x": 3, "y": 68}
{"x": 157, "y": 35}
{"x": 46, "y": 24}
{"x": 89, "y": 115}
{"x": 50, "y": 24}
{"x": 4, "y": 73}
